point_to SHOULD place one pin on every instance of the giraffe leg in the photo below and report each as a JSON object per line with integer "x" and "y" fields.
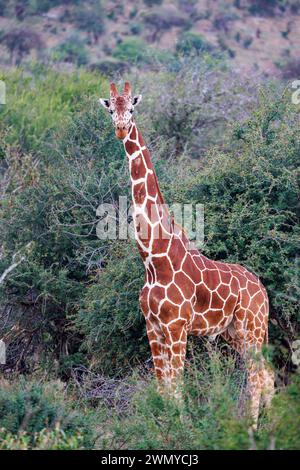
{"x": 176, "y": 339}
{"x": 244, "y": 344}
{"x": 260, "y": 385}
{"x": 254, "y": 388}
{"x": 268, "y": 390}
{"x": 160, "y": 355}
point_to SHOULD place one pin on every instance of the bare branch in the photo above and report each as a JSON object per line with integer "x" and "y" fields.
{"x": 16, "y": 261}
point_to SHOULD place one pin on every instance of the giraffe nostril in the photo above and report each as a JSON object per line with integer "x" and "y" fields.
{"x": 123, "y": 128}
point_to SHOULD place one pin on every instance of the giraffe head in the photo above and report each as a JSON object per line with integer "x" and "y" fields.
{"x": 121, "y": 108}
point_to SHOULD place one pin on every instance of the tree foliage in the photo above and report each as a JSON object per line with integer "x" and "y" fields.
{"x": 90, "y": 18}
{"x": 20, "y": 42}
{"x": 72, "y": 50}
{"x": 34, "y": 415}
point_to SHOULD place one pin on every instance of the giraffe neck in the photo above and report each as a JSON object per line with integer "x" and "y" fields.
{"x": 152, "y": 222}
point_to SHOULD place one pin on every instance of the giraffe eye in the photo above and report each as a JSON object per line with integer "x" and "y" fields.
{"x": 111, "y": 111}
{"x": 131, "y": 110}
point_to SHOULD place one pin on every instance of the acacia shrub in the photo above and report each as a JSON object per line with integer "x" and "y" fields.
{"x": 41, "y": 100}
{"x": 133, "y": 50}
{"x": 20, "y": 42}
{"x": 90, "y": 17}
{"x": 72, "y": 50}
{"x": 110, "y": 317}
{"x": 34, "y": 412}
{"x": 189, "y": 43}
{"x": 53, "y": 215}
{"x": 188, "y": 107}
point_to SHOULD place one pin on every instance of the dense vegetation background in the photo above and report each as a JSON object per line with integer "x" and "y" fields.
{"x": 77, "y": 372}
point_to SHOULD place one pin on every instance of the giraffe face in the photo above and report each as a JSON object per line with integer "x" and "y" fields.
{"x": 121, "y": 108}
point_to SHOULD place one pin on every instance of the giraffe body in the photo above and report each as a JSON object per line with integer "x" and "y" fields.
{"x": 185, "y": 293}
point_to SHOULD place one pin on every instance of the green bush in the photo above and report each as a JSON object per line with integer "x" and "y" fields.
{"x": 211, "y": 415}
{"x": 132, "y": 50}
{"x": 184, "y": 113}
{"x": 90, "y": 18}
{"x": 136, "y": 28}
{"x": 151, "y": 3}
{"x": 190, "y": 7}
{"x": 72, "y": 50}
{"x": 32, "y": 413}
{"x": 110, "y": 66}
{"x": 223, "y": 19}
{"x": 269, "y": 7}
{"x": 40, "y": 101}
{"x": 164, "y": 18}
{"x": 43, "y": 440}
{"x": 192, "y": 43}
{"x": 283, "y": 427}
{"x": 25, "y": 8}
{"x": 136, "y": 51}
{"x": 20, "y": 42}
{"x": 289, "y": 68}
{"x": 55, "y": 270}
{"x": 37, "y": 7}
{"x": 110, "y": 316}
{"x": 247, "y": 41}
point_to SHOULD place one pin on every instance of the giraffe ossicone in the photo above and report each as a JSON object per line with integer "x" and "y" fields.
{"x": 185, "y": 293}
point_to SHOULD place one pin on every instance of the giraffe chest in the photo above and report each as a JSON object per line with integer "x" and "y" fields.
{"x": 205, "y": 304}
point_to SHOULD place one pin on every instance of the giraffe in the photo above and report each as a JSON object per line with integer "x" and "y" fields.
{"x": 185, "y": 293}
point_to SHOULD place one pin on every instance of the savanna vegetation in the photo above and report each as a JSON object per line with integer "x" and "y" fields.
{"x": 111, "y": 35}
{"x": 77, "y": 373}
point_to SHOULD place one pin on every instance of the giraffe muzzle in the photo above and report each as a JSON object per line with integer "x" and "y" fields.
{"x": 121, "y": 133}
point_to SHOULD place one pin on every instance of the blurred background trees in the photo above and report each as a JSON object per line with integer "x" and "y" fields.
{"x": 253, "y": 35}
{"x": 20, "y": 43}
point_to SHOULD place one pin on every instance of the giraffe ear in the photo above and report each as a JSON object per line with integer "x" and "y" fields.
{"x": 136, "y": 100}
{"x": 105, "y": 103}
